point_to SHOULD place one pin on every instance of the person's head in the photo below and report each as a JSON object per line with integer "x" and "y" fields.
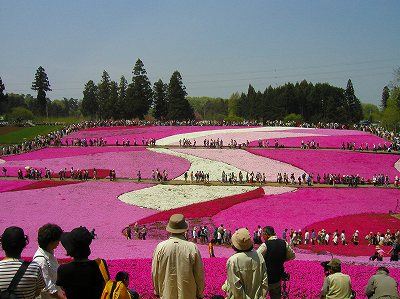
{"x": 177, "y": 224}
{"x": 123, "y": 276}
{"x": 383, "y": 269}
{"x": 49, "y": 236}
{"x": 13, "y": 241}
{"x": 77, "y": 242}
{"x": 335, "y": 265}
{"x": 241, "y": 240}
{"x": 268, "y": 232}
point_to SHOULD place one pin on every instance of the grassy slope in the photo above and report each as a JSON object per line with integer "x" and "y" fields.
{"x": 28, "y": 133}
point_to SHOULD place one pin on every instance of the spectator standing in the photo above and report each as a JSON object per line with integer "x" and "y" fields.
{"x": 246, "y": 270}
{"x": 381, "y": 285}
{"x": 336, "y": 284}
{"x": 177, "y": 269}
{"x": 13, "y": 241}
{"x": 81, "y": 278}
{"x": 275, "y": 252}
{"x": 49, "y": 238}
{"x": 395, "y": 250}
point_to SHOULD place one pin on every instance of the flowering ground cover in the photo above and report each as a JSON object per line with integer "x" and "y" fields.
{"x": 300, "y": 209}
{"x": 324, "y": 141}
{"x": 213, "y": 167}
{"x": 174, "y": 196}
{"x": 335, "y": 161}
{"x": 111, "y": 134}
{"x": 7, "y": 185}
{"x": 244, "y": 160}
{"x": 305, "y": 282}
{"x": 43, "y": 184}
{"x": 91, "y": 204}
{"x": 125, "y": 160}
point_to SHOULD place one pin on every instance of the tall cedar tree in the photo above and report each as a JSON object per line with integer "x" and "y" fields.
{"x": 121, "y": 104}
{"x": 3, "y": 98}
{"x": 139, "y": 93}
{"x": 353, "y": 104}
{"x": 160, "y": 100}
{"x": 41, "y": 85}
{"x": 104, "y": 96}
{"x": 178, "y": 106}
{"x": 90, "y": 105}
{"x": 385, "y": 97}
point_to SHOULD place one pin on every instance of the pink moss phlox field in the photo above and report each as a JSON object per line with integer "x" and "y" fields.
{"x": 64, "y": 152}
{"x": 126, "y": 162}
{"x": 335, "y": 161}
{"x": 8, "y": 185}
{"x": 91, "y": 204}
{"x": 245, "y": 160}
{"x": 364, "y": 223}
{"x": 306, "y": 276}
{"x": 205, "y": 209}
{"x": 326, "y": 141}
{"x": 111, "y": 134}
{"x": 301, "y": 208}
{"x": 44, "y": 184}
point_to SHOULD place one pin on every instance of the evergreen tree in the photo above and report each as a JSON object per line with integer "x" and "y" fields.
{"x": 139, "y": 93}
{"x": 121, "y": 104}
{"x": 353, "y": 104}
{"x": 178, "y": 107}
{"x": 89, "y": 102}
{"x": 41, "y": 85}
{"x": 112, "y": 104}
{"x": 3, "y": 98}
{"x": 103, "y": 96}
{"x": 385, "y": 97}
{"x": 233, "y": 105}
{"x": 160, "y": 100}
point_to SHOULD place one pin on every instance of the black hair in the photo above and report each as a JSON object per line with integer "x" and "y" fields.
{"x": 13, "y": 241}
{"x": 269, "y": 230}
{"x": 121, "y": 276}
{"x": 47, "y": 234}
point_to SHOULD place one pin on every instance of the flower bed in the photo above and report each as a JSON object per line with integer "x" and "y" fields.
{"x": 205, "y": 209}
{"x": 335, "y": 161}
{"x": 7, "y": 185}
{"x": 324, "y": 141}
{"x": 306, "y": 206}
{"x": 111, "y": 134}
{"x": 44, "y": 184}
{"x": 126, "y": 161}
{"x": 305, "y": 282}
{"x": 245, "y": 161}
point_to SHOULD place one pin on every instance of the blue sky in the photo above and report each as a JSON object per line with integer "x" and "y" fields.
{"x": 219, "y": 47}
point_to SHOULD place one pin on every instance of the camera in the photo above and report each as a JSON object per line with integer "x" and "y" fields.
{"x": 285, "y": 276}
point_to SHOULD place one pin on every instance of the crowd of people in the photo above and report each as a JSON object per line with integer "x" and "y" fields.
{"x": 177, "y": 269}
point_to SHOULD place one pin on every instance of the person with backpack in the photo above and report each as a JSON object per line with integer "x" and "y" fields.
{"x": 81, "y": 278}
{"x": 49, "y": 238}
{"x": 17, "y": 277}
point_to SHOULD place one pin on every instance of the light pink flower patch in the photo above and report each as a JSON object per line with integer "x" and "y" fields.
{"x": 126, "y": 161}
{"x": 91, "y": 204}
{"x": 335, "y": 161}
{"x": 245, "y": 160}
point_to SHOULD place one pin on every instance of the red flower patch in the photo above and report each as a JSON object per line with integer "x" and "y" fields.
{"x": 45, "y": 184}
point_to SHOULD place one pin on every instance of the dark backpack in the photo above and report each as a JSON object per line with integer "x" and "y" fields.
{"x": 9, "y": 292}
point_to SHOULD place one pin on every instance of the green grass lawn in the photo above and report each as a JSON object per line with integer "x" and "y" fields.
{"x": 18, "y": 135}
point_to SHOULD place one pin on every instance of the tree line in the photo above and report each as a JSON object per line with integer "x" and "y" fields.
{"x": 108, "y": 99}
